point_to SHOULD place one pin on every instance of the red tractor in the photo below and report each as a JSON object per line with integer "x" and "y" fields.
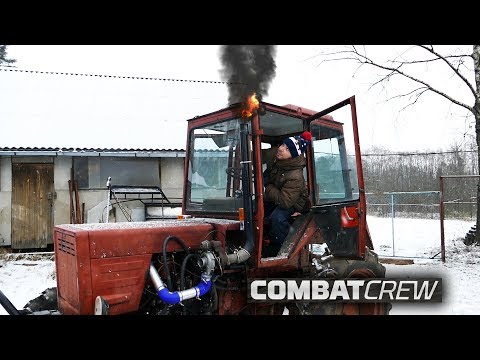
{"x": 202, "y": 262}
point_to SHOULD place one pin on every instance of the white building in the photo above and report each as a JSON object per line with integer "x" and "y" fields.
{"x": 37, "y": 191}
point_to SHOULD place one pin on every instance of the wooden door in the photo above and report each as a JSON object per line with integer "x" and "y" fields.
{"x": 32, "y": 205}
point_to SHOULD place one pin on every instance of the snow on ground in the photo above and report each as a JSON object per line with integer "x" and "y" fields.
{"x": 23, "y": 279}
{"x": 420, "y": 240}
{"x": 413, "y": 237}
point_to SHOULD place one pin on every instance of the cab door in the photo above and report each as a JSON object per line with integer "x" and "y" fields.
{"x": 336, "y": 174}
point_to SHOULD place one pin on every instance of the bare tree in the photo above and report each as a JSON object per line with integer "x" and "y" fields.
{"x": 461, "y": 66}
{"x": 3, "y": 56}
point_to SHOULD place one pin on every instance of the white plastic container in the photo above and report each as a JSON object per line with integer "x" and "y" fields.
{"x": 138, "y": 214}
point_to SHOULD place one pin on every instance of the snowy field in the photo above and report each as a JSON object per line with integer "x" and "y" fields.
{"x": 419, "y": 239}
{"x": 23, "y": 279}
{"x": 414, "y": 237}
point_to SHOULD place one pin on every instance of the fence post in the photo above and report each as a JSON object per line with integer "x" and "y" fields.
{"x": 442, "y": 216}
{"x": 393, "y": 232}
{"x": 442, "y": 208}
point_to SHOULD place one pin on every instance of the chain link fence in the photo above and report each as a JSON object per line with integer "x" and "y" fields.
{"x": 408, "y": 224}
{"x": 458, "y": 210}
{"x": 460, "y": 197}
{"x": 405, "y": 224}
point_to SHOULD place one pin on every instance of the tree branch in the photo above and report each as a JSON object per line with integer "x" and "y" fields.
{"x": 430, "y": 60}
{"x": 396, "y": 70}
{"x": 425, "y": 89}
{"x": 455, "y": 70}
{"x": 409, "y": 93}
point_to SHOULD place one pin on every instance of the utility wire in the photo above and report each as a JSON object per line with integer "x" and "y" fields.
{"x": 116, "y": 76}
{"x": 423, "y": 153}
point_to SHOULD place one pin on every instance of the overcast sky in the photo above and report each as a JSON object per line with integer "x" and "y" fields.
{"x": 76, "y": 111}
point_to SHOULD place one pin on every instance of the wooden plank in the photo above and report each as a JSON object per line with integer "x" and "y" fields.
{"x": 83, "y": 213}
{"x": 32, "y": 216}
{"x": 396, "y": 261}
{"x": 77, "y": 203}
{"x": 72, "y": 209}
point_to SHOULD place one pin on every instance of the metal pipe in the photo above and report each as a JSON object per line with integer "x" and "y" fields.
{"x": 442, "y": 216}
{"x": 329, "y": 110}
{"x": 238, "y": 257}
{"x": 393, "y": 220}
{"x": 247, "y": 196}
{"x": 109, "y": 180}
{"x": 362, "y": 226}
{"x": 164, "y": 256}
{"x": 174, "y": 297}
{"x": 9, "y": 307}
{"x": 259, "y": 185}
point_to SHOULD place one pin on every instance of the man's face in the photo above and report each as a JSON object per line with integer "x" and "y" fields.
{"x": 283, "y": 153}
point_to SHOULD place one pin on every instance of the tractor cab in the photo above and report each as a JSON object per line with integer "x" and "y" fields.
{"x": 228, "y": 152}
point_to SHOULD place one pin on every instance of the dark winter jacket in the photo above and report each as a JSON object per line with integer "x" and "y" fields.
{"x": 286, "y": 185}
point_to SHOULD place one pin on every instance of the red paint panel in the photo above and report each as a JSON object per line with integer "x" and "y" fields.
{"x": 120, "y": 281}
{"x": 137, "y": 241}
{"x": 66, "y": 269}
{"x": 112, "y": 260}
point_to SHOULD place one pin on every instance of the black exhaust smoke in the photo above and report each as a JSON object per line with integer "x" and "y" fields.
{"x": 248, "y": 69}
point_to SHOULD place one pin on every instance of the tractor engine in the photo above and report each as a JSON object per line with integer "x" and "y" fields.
{"x": 189, "y": 287}
{"x": 120, "y": 268}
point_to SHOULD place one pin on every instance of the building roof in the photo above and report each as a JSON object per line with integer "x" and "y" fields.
{"x": 43, "y": 151}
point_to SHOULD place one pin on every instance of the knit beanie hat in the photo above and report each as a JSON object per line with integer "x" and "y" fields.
{"x": 298, "y": 144}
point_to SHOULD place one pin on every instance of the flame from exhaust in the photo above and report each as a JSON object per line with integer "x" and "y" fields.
{"x": 252, "y": 104}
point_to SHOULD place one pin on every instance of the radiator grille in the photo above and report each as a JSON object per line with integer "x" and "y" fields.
{"x": 66, "y": 245}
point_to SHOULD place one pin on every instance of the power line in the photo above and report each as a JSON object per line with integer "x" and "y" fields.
{"x": 424, "y": 153}
{"x": 116, "y": 76}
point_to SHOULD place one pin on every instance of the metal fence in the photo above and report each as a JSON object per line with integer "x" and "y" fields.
{"x": 423, "y": 224}
{"x": 405, "y": 223}
{"x": 458, "y": 207}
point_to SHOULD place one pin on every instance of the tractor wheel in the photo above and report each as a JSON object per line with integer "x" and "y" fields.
{"x": 320, "y": 308}
{"x": 470, "y": 237}
{"x": 366, "y": 269}
{"x": 355, "y": 269}
{"x": 47, "y": 300}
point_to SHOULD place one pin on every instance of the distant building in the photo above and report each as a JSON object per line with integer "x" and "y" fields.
{"x": 35, "y": 193}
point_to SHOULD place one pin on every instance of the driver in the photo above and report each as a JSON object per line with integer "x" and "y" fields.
{"x": 285, "y": 188}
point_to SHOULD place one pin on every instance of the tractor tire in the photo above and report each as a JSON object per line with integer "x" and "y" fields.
{"x": 354, "y": 269}
{"x": 319, "y": 308}
{"x": 470, "y": 236}
{"x": 365, "y": 269}
{"x": 47, "y": 300}
{"x": 343, "y": 308}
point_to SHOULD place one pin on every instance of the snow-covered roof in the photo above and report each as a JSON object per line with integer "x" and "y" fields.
{"x": 27, "y": 151}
